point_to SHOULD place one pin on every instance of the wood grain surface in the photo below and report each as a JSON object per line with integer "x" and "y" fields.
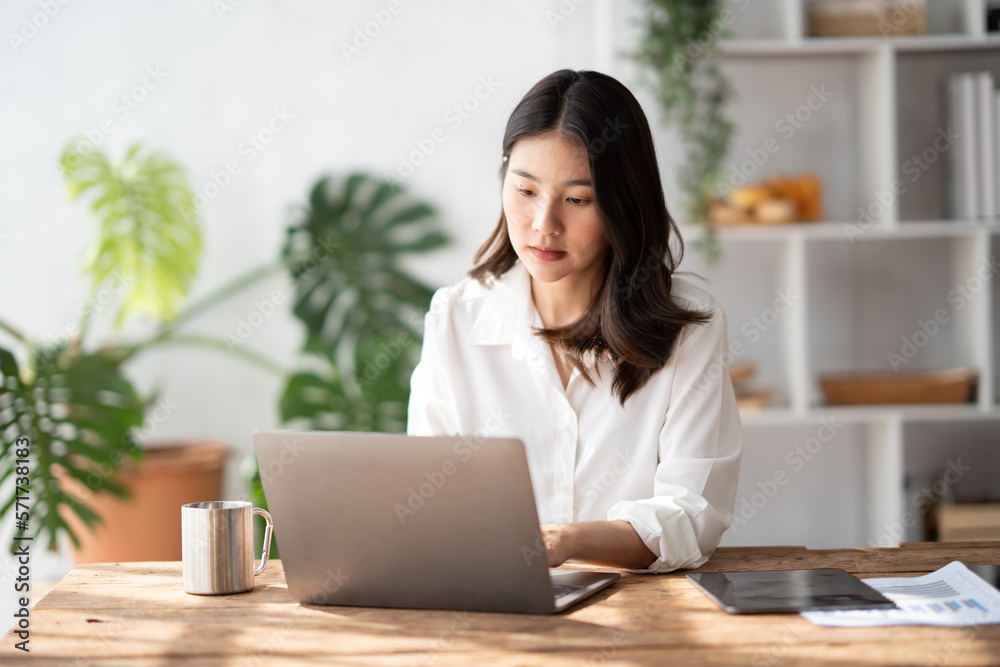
{"x": 138, "y": 614}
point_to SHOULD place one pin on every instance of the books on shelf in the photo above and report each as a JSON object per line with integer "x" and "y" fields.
{"x": 974, "y": 174}
{"x": 987, "y": 144}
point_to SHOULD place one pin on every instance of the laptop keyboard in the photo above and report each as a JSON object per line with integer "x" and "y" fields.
{"x": 560, "y": 590}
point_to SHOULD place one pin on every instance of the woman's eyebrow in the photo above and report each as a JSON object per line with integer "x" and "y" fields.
{"x": 580, "y": 181}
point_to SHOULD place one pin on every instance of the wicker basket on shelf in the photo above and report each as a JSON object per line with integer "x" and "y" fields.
{"x": 867, "y": 18}
{"x": 948, "y": 386}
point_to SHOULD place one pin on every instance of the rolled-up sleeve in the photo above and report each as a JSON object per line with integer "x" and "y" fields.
{"x": 699, "y": 451}
{"x": 431, "y": 409}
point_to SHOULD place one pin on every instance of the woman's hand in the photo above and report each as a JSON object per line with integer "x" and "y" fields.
{"x": 610, "y": 543}
{"x": 557, "y": 542}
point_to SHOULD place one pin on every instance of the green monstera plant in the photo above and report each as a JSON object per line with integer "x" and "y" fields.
{"x": 74, "y": 410}
{"x": 362, "y": 311}
{"x": 69, "y": 398}
{"x": 74, "y": 405}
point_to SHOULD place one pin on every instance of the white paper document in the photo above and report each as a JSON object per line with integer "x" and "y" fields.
{"x": 953, "y": 595}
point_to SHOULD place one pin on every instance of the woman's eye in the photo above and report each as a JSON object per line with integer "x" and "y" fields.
{"x": 576, "y": 201}
{"x": 526, "y": 193}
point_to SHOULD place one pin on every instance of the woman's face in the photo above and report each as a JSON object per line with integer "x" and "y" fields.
{"x": 552, "y": 214}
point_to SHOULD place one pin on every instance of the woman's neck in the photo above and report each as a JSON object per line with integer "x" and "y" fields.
{"x": 562, "y": 303}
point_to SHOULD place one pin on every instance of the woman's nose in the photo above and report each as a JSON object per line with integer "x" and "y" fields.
{"x": 544, "y": 218}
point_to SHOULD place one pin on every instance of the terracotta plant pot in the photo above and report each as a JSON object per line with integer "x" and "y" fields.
{"x": 147, "y": 526}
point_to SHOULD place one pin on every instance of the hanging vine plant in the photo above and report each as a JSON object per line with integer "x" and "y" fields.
{"x": 679, "y": 49}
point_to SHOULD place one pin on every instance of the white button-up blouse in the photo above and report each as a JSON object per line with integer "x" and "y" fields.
{"x": 667, "y": 463}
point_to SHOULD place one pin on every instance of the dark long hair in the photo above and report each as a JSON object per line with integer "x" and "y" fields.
{"x": 632, "y": 322}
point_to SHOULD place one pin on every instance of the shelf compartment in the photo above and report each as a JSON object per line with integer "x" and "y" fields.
{"x": 788, "y": 120}
{"x": 785, "y": 22}
{"x": 771, "y": 20}
{"x": 870, "y": 315}
{"x": 752, "y": 299}
{"x": 922, "y": 136}
{"x": 949, "y": 459}
{"x": 785, "y": 470}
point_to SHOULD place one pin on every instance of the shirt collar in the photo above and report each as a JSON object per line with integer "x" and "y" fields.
{"x": 508, "y": 316}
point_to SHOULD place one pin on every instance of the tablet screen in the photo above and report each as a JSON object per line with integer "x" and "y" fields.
{"x": 774, "y": 591}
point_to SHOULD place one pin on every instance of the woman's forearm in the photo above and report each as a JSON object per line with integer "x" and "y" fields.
{"x": 610, "y": 543}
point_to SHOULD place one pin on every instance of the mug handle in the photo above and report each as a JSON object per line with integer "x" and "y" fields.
{"x": 266, "y": 550}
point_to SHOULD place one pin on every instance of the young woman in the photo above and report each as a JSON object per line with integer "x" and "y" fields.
{"x": 574, "y": 334}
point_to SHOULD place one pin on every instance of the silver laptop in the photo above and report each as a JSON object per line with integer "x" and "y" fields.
{"x": 375, "y": 520}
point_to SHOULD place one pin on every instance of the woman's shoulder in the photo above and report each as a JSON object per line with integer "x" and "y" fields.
{"x": 687, "y": 294}
{"x": 460, "y": 302}
{"x": 465, "y": 290}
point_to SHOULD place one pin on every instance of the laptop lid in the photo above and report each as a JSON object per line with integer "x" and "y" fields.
{"x": 368, "y": 519}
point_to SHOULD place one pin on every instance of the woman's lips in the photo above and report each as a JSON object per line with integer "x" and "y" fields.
{"x": 547, "y": 255}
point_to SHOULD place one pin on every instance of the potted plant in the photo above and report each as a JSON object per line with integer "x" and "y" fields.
{"x": 679, "y": 49}
{"x": 72, "y": 399}
{"x": 362, "y": 311}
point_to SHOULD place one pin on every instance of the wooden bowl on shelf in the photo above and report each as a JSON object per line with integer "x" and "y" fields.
{"x": 748, "y": 397}
{"x": 867, "y": 18}
{"x": 758, "y": 399}
{"x": 953, "y": 385}
{"x": 741, "y": 372}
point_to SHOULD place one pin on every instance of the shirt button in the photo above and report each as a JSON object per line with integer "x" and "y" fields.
{"x": 564, "y": 487}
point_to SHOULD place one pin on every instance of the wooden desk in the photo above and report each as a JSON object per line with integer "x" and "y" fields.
{"x": 137, "y": 614}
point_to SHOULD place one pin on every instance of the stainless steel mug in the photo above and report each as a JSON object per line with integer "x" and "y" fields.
{"x": 217, "y": 546}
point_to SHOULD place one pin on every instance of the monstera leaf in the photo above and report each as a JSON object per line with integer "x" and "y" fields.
{"x": 362, "y": 312}
{"x": 149, "y": 242}
{"x": 344, "y": 255}
{"x": 77, "y": 413}
{"x": 374, "y": 400}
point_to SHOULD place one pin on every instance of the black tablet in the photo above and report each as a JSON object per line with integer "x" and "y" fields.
{"x": 777, "y": 591}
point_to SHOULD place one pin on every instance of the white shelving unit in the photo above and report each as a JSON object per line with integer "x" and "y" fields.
{"x": 857, "y": 289}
